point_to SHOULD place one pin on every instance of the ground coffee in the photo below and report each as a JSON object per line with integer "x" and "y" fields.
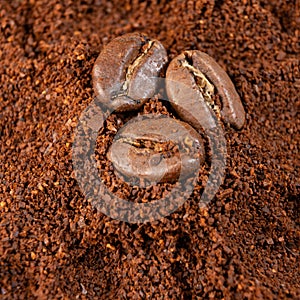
{"x": 55, "y": 245}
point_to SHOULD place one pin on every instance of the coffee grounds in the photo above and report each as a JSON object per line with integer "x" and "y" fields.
{"x": 54, "y": 243}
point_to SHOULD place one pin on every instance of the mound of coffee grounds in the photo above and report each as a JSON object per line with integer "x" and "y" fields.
{"x": 55, "y": 245}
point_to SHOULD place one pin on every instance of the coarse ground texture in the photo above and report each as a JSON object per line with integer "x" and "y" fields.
{"x": 55, "y": 245}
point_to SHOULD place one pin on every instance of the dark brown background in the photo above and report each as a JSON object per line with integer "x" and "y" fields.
{"x": 54, "y": 245}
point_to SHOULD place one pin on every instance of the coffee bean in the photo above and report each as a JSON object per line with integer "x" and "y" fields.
{"x": 192, "y": 78}
{"x": 157, "y": 149}
{"x": 125, "y": 73}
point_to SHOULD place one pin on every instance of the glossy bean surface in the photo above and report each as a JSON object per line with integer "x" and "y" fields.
{"x": 125, "y": 72}
{"x": 193, "y": 78}
{"x": 157, "y": 149}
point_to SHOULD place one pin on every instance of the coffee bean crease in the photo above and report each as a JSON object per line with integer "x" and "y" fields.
{"x": 126, "y": 71}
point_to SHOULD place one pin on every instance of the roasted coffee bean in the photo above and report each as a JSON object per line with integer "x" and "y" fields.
{"x": 125, "y": 73}
{"x": 192, "y": 78}
{"x": 157, "y": 149}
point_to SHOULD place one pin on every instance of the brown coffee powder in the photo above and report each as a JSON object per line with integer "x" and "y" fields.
{"x": 55, "y": 245}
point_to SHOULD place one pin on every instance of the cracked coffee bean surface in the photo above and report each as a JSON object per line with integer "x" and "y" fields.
{"x": 193, "y": 77}
{"x": 125, "y": 72}
{"x": 157, "y": 149}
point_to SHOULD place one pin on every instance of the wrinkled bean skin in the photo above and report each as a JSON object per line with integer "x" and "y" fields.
{"x": 124, "y": 72}
{"x": 142, "y": 150}
{"x": 187, "y": 69}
